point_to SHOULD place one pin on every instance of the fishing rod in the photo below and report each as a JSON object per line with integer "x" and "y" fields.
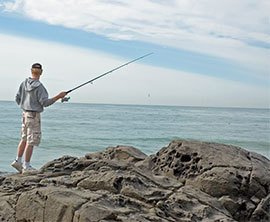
{"x": 65, "y": 99}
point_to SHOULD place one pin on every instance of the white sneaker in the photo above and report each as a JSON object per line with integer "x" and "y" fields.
{"x": 29, "y": 170}
{"x": 17, "y": 166}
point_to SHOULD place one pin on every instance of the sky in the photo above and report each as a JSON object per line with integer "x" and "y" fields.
{"x": 206, "y": 52}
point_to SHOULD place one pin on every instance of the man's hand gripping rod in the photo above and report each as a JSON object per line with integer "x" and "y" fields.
{"x": 65, "y": 99}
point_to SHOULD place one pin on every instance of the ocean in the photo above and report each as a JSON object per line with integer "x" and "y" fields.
{"x": 76, "y": 129}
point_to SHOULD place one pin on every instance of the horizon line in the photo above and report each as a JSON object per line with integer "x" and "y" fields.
{"x": 164, "y": 105}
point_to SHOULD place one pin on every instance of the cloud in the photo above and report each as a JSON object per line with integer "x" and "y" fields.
{"x": 237, "y": 30}
{"x": 133, "y": 84}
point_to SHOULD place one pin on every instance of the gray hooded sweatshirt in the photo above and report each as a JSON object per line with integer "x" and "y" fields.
{"x": 33, "y": 96}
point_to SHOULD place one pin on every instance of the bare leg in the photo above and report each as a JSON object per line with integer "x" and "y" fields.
{"x": 28, "y": 152}
{"x": 21, "y": 148}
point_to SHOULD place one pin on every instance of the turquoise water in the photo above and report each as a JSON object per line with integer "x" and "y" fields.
{"x": 76, "y": 129}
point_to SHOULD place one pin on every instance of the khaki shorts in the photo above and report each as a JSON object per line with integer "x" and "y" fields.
{"x": 31, "y": 128}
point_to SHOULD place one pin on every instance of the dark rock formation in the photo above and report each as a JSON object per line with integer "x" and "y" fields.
{"x": 186, "y": 181}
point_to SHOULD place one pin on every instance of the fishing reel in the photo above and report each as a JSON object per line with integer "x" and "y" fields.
{"x": 65, "y": 99}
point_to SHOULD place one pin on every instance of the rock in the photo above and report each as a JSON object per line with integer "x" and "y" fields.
{"x": 185, "y": 181}
{"x": 119, "y": 153}
{"x": 262, "y": 210}
{"x": 92, "y": 212}
{"x": 193, "y": 205}
{"x": 51, "y": 204}
{"x": 64, "y": 163}
{"x": 218, "y": 170}
{"x": 7, "y": 207}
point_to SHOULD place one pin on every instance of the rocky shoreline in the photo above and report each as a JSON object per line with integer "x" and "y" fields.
{"x": 185, "y": 181}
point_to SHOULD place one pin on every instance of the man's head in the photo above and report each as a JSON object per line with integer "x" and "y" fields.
{"x": 36, "y": 69}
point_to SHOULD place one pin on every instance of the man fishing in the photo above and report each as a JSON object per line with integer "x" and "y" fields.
{"x": 32, "y": 97}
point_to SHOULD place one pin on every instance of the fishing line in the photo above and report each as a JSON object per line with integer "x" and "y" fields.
{"x": 65, "y": 99}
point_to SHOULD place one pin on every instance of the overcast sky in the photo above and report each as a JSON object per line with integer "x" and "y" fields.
{"x": 206, "y": 53}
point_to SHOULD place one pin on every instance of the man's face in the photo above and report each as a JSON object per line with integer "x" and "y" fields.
{"x": 36, "y": 71}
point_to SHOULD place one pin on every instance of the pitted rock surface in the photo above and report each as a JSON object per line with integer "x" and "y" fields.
{"x": 185, "y": 181}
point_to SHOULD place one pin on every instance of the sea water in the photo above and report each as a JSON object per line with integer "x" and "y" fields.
{"x": 76, "y": 129}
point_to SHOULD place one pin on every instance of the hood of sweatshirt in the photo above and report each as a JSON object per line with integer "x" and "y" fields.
{"x": 31, "y": 84}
